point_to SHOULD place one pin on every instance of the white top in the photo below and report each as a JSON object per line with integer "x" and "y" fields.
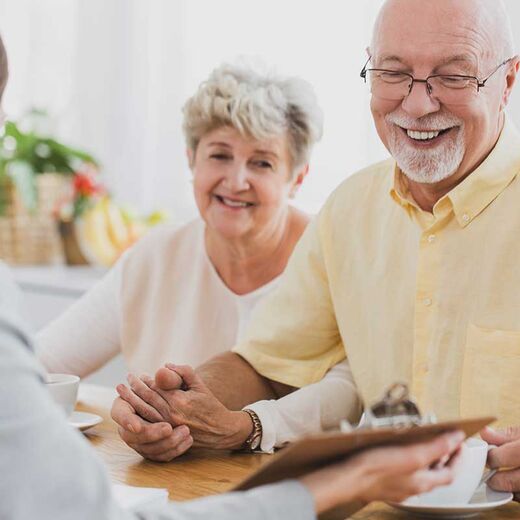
{"x": 164, "y": 302}
{"x": 196, "y": 315}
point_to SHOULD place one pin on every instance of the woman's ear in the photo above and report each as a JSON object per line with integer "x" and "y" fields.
{"x": 298, "y": 180}
{"x": 190, "y": 155}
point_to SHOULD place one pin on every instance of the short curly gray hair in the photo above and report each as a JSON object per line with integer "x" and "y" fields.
{"x": 259, "y": 105}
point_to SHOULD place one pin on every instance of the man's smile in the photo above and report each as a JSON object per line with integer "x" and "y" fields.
{"x": 425, "y": 137}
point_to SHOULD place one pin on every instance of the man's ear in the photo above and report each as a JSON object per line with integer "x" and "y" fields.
{"x": 511, "y": 74}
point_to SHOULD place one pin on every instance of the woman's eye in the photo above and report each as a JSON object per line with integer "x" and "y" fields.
{"x": 263, "y": 164}
{"x": 220, "y": 156}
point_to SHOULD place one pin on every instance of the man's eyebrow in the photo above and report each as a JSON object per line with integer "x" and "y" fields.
{"x": 390, "y": 57}
{"x": 463, "y": 59}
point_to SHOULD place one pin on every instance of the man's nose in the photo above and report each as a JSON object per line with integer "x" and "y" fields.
{"x": 419, "y": 102}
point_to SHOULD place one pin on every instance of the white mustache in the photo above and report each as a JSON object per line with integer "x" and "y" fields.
{"x": 433, "y": 122}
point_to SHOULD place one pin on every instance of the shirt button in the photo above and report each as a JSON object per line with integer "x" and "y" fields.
{"x": 466, "y": 217}
{"x": 427, "y": 302}
{"x": 431, "y": 238}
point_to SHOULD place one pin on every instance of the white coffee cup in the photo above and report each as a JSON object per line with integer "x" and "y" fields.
{"x": 469, "y": 474}
{"x": 64, "y": 390}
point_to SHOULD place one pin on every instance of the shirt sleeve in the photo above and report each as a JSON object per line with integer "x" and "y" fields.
{"x": 50, "y": 471}
{"x": 282, "y": 501}
{"x": 312, "y": 409}
{"x": 293, "y": 335}
{"x": 87, "y": 334}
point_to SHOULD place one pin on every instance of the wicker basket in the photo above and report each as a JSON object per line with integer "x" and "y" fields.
{"x": 32, "y": 238}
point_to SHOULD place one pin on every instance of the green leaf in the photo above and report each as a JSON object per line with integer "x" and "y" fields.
{"x": 23, "y": 155}
{"x": 22, "y": 175}
{"x": 4, "y": 185}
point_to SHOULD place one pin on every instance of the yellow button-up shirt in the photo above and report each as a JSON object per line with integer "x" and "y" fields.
{"x": 431, "y": 299}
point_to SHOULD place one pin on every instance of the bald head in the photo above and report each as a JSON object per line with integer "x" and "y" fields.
{"x": 486, "y": 20}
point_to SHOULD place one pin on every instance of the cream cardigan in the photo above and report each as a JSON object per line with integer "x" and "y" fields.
{"x": 163, "y": 301}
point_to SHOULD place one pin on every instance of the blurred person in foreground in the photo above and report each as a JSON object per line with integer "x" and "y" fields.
{"x": 409, "y": 270}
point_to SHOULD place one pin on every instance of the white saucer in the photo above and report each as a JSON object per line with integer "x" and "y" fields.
{"x": 83, "y": 421}
{"x": 484, "y": 499}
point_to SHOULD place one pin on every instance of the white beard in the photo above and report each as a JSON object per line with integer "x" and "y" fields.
{"x": 426, "y": 166}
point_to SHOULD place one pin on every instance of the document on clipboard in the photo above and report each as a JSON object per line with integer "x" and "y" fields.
{"x": 313, "y": 452}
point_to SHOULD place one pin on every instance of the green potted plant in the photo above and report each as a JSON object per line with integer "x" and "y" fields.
{"x": 36, "y": 173}
{"x": 25, "y": 155}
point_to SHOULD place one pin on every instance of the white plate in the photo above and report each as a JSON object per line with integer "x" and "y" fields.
{"x": 484, "y": 499}
{"x": 83, "y": 421}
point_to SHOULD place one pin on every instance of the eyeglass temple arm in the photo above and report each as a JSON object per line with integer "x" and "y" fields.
{"x": 363, "y": 72}
{"x": 482, "y": 83}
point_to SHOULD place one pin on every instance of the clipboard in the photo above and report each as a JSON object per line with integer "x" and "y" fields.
{"x": 311, "y": 453}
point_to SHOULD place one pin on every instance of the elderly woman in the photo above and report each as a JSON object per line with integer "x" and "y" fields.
{"x": 185, "y": 293}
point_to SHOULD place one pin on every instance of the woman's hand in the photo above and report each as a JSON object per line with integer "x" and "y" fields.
{"x": 179, "y": 397}
{"x": 385, "y": 474}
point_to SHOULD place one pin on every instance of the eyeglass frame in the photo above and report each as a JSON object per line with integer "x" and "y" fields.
{"x": 480, "y": 82}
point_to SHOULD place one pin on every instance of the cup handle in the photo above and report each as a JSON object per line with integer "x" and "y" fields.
{"x": 488, "y": 474}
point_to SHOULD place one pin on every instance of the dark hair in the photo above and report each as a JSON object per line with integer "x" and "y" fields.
{"x": 4, "y": 70}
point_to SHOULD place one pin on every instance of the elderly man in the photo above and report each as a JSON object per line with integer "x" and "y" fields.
{"x": 408, "y": 270}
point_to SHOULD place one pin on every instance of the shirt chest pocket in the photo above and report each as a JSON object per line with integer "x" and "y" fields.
{"x": 491, "y": 375}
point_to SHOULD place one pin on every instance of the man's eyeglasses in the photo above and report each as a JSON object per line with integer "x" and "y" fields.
{"x": 449, "y": 89}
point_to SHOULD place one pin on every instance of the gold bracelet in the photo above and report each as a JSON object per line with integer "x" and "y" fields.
{"x": 255, "y": 437}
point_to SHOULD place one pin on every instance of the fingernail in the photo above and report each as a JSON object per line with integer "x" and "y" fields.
{"x": 459, "y": 436}
{"x": 171, "y": 366}
{"x": 165, "y": 429}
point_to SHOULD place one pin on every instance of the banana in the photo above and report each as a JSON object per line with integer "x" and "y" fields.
{"x": 117, "y": 230}
{"x": 94, "y": 238}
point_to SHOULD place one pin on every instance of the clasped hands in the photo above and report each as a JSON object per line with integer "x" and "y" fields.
{"x": 164, "y": 416}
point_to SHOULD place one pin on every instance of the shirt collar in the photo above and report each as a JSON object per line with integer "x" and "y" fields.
{"x": 479, "y": 189}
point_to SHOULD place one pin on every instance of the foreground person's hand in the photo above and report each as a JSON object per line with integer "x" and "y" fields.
{"x": 505, "y": 455}
{"x": 178, "y": 396}
{"x": 157, "y": 441}
{"x": 389, "y": 474}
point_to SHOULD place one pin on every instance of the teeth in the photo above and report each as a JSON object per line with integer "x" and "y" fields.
{"x": 234, "y": 203}
{"x": 422, "y": 136}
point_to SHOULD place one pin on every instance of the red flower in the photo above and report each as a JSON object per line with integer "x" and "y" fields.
{"x": 85, "y": 185}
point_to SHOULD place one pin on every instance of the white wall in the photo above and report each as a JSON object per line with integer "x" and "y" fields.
{"x": 115, "y": 73}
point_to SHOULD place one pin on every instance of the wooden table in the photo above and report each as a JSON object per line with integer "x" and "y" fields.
{"x": 201, "y": 472}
